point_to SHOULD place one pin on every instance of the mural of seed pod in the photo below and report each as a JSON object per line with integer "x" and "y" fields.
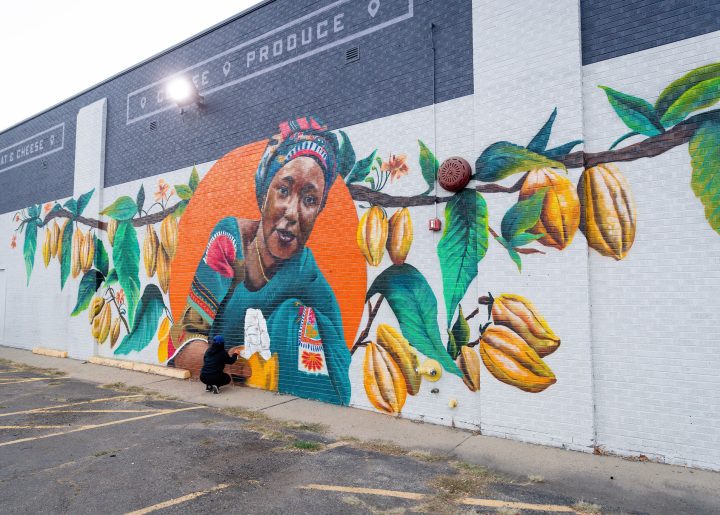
{"x": 608, "y": 215}
{"x": 87, "y": 252}
{"x": 469, "y": 364}
{"x": 511, "y": 360}
{"x": 77, "y": 241}
{"x": 96, "y": 304}
{"x": 105, "y": 318}
{"x": 60, "y": 238}
{"x": 95, "y": 327}
{"x": 372, "y": 235}
{"x": 400, "y": 236}
{"x": 163, "y": 269}
{"x": 384, "y": 382}
{"x": 402, "y": 353}
{"x": 46, "y": 252}
{"x": 560, "y": 215}
{"x": 163, "y": 332}
{"x": 114, "y": 332}
{"x": 521, "y": 315}
{"x": 54, "y": 239}
{"x": 169, "y": 235}
{"x": 112, "y": 226}
{"x": 150, "y": 250}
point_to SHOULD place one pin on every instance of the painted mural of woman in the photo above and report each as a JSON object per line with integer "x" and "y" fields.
{"x": 259, "y": 286}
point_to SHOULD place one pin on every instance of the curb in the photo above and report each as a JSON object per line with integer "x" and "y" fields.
{"x": 177, "y": 373}
{"x": 50, "y": 352}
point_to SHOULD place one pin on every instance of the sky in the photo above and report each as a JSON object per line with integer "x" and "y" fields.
{"x": 52, "y": 50}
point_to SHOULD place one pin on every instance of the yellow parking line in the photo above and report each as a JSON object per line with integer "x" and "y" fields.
{"x": 177, "y": 500}
{"x": 488, "y": 503}
{"x": 32, "y": 427}
{"x": 96, "y": 426}
{"x": 47, "y": 408}
{"x": 3, "y": 382}
{"x": 102, "y": 411}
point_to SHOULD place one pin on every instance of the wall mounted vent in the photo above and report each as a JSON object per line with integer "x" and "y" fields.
{"x": 352, "y": 55}
{"x": 153, "y": 125}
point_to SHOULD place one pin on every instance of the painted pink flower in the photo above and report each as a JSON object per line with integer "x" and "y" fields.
{"x": 47, "y": 207}
{"x": 397, "y": 166}
{"x": 120, "y": 297}
{"x": 164, "y": 191}
{"x": 13, "y": 242}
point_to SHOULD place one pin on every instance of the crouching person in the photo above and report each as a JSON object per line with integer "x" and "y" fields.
{"x": 213, "y": 369}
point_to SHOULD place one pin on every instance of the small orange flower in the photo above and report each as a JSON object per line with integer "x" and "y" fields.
{"x": 164, "y": 191}
{"x": 397, "y": 166}
{"x": 312, "y": 361}
{"x": 47, "y": 207}
{"x": 13, "y": 242}
{"x": 120, "y": 297}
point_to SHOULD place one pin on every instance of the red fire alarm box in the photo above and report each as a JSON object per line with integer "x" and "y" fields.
{"x": 434, "y": 224}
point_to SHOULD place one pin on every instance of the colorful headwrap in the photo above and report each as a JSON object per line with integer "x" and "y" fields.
{"x": 303, "y": 137}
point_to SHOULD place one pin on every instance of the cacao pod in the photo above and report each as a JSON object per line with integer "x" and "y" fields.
{"x": 95, "y": 327}
{"x": 87, "y": 252}
{"x": 112, "y": 226}
{"x": 400, "y": 236}
{"x": 163, "y": 332}
{"x": 77, "y": 241}
{"x": 511, "y": 360}
{"x": 402, "y": 353}
{"x": 163, "y": 269}
{"x": 607, "y": 216}
{"x": 169, "y": 235}
{"x": 384, "y": 382}
{"x": 469, "y": 364}
{"x": 46, "y": 252}
{"x": 521, "y": 315}
{"x": 60, "y": 238}
{"x": 105, "y": 318}
{"x": 372, "y": 235}
{"x": 54, "y": 239}
{"x": 114, "y": 332}
{"x": 150, "y": 250}
{"x": 96, "y": 304}
{"x": 560, "y": 214}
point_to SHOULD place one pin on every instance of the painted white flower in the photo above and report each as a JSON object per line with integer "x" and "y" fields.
{"x": 257, "y": 338}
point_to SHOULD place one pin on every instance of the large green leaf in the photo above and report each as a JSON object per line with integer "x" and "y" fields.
{"x": 415, "y": 307}
{"x": 636, "y": 113}
{"x": 678, "y": 88}
{"x": 361, "y": 169}
{"x": 88, "y": 286}
{"x": 72, "y": 206}
{"x": 111, "y": 277}
{"x": 124, "y": 208}
{"x": 194, "y": 179}
{"x": 102, "y": 261}
{"x": 30, "y": 246}
{"x": 459, "y": 335}
{"x": 126, "y": 258}
{"x": 561, "y": 151}
{"x": 503, "y": 159}
{"x": 705, "y": 159}
{"x": 700, "y": 96}
{"x": 183, "y": 191}
{"x": 459, "y": 250}
{"x": 149, "y": 310}
{"x": 540, "y": 140}
{"x": 346, "y": 161}
{"x": 522, "y": 216}
{"x": 83, "y": 200}
{"x": 66, "y": 258}
{"x": 429, "y": 166}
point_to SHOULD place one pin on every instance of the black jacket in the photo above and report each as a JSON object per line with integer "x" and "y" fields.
{"x": 216, "y": 357}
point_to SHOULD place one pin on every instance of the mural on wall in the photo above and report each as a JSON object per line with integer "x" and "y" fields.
{"x": 280, "y": 269}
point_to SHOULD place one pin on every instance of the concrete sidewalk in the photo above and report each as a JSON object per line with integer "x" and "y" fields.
{"x": 611, "y": 481}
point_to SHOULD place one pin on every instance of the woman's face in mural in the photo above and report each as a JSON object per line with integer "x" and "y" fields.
{"x": 291, "y": 207}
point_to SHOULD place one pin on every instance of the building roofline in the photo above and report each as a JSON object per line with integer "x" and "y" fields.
{"x": 187, "y": 41}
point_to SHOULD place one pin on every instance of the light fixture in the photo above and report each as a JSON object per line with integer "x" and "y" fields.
{"x": 183, "y": 92}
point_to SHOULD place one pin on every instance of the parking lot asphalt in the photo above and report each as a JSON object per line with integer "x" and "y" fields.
{"x": 69, "y": 446}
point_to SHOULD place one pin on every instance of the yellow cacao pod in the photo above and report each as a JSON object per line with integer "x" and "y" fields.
{"x": 560, "y": 215}
{"x": 384, "y": 382}
{"x": 521, "y": 315}
{"x": 169, "y": 235}
{"x": 77, "y": 241}
{"x": 163, "y": 269}
{"x": 60, "y": 238}
{"x": 114, "y": 332}
{"x": 87, "y": 252}
{"x": 400, "y": 236}
{"x": 608, "y": 215}
{"x": 105, "y": 318}
{"x": 402, "y": 353}
{"x": 46, "y": 252}
{"x": 150, "y": 251}
{"x": 54, "y": 239}
{"x": 96, "y": 304}
{"x": 372, "y": 235}
{"x": 469, "y": 364}
{"x": 511, "y": 360}
{"x": 164, "y": 330}
{"x": 112, "y": 226}
{"x": 95, "y": 327}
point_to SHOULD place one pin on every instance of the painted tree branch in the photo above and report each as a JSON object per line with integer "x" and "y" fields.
{"x": 371, "y": 317}
{"x": 102, "y": 226}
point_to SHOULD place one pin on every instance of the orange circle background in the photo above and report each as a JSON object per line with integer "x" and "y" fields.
{"x": 228, "y": 189}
